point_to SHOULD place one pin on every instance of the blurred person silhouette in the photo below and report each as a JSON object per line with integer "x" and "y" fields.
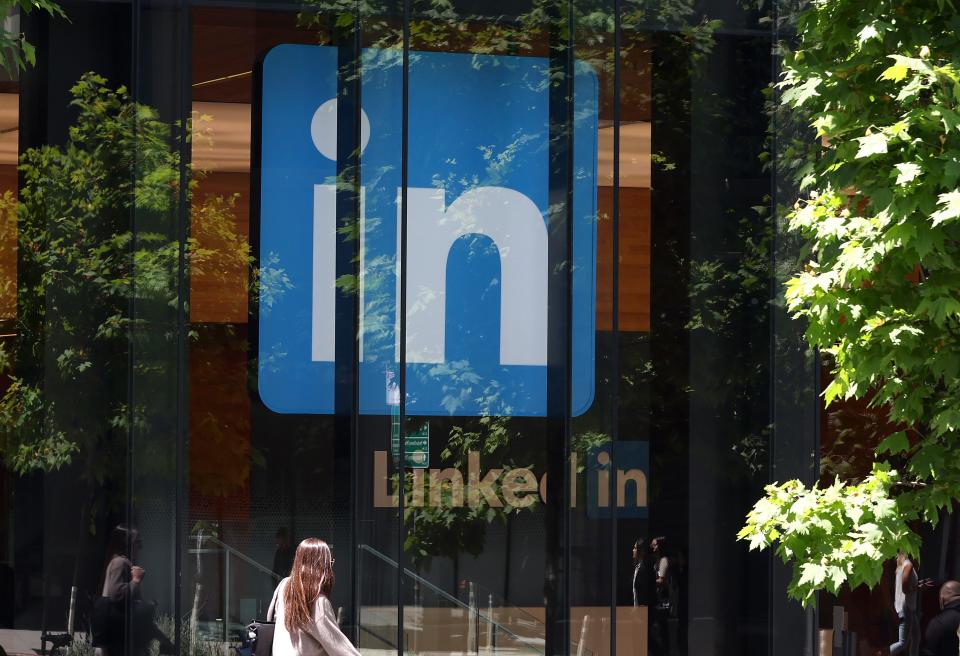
{"x": 642, "y": 581}
{"x": 112, "y": 633}
{"x": 940, "y": 638}
{"x": 662, "y": 606}
{"x": 306, "y": 622}
{"x": 283, "y": 556}
{"x": 121, "y": 578}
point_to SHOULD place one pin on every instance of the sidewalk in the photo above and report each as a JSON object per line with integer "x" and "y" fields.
{"x": 20, "y": 643}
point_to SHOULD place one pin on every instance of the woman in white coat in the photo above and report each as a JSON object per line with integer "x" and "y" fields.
{"x": 306, "y": 624}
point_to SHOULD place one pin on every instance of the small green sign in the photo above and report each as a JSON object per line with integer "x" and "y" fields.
{"x": 416, "y": 443}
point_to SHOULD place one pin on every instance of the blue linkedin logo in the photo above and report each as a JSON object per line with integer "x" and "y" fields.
{"x": 477, "y": 237}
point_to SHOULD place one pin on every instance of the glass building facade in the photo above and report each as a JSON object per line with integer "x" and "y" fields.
{"x": 481, "y": 292}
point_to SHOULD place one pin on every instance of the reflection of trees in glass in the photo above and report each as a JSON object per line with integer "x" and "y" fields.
{"x": 442, "y": 25}
{"x": 219, "y": 259}
{"x": 714, "y": 279}
{"x": 8, "y": 256}
{"x": 446, "y": 531}
{"x": 726, "y": 293}
{"x": 86, "y": 278}
{"x": 216, "y": 246}
{"x": 80, "y": 268}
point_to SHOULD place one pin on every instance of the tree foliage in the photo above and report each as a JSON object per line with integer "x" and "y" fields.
{"x": 440, "y": 25}
{"x": 879, "y": 84}
{"x": 16, "y": 53}
{"x": 80, "y": 270}
{"x": 91, "y": 283}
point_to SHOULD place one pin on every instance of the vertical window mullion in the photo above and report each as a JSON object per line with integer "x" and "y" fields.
{"x": 615, "y": 328}
{"x": 183, "y": 294}
{"x": 559, "y": 325}
{"x": 402, "y": 308}
{"x": 347, "y": 304}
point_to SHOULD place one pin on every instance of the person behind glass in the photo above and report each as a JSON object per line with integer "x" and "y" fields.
{"x": 121, "y": 578}
{"x": 659, "y": 627}
{"x": 905, "y": 586}
{"x": 941, "y": 637}
{"x": 642, "y": 581}
{"x": 306, "y": 623}
{"x": 120, "y": 597}
{"x": 283, "y": 556}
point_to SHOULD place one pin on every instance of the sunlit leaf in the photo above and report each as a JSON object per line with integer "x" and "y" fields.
{"x": 872, "y": 144}
{"x": 906, "y": 172}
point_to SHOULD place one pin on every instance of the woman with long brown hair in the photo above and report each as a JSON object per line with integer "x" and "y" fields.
{"x": 306, "y": 624}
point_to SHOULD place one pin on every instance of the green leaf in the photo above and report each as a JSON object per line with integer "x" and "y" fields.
{"x": 812, "y": 573}
{"x": 939, "y": 308}
{"x": 824, "y": 123}
{"x": 911, "y": 63}
{"x": 867, "y": 33}
{"x": 798, "y": 95}
{"x": 907, "y": 172}
{"x": 895, "y": 73}
{"x": 895, "y": 443}
{"x": 951, "y": 173}
{"x": 950, "y": 209}
{"x": 29, "y": 52}
{"x": 911, "y": 89}
{"x": 923, "y": 241}
{"x": 872, "y": 144}
{"x": 950, "y": 119}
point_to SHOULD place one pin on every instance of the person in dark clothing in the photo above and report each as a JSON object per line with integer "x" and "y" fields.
{"x": 660, "y": 615}
{"x": 642, "y": 583}
{"x": 123, "y": 623}
{"x": 941, "y": 636}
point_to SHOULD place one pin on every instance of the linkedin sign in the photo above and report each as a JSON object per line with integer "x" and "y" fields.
{"x": 476, "y": 233}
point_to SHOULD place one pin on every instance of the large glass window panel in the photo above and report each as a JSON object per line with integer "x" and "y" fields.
{"x": 158, "y": 377}
{"x": 95, "y": 321}
{"x": 67, "y": 314}
{"x": 377, "y": 132}
{"x": 265, "y": 471}
{"x": 725, "y": 323}
{"x": 597, "y": 621}
{"x": 482, "y": 116}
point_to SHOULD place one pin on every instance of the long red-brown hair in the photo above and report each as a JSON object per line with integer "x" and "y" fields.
{"x": 311, "y": 576}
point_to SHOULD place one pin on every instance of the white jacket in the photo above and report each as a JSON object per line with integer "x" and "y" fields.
{"x": 321, "y": 637}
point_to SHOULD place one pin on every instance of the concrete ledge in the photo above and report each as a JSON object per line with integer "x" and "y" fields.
{"x": 18, "y": 642}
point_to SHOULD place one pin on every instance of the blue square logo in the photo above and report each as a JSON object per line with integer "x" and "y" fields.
{"x": 476, "y": 233}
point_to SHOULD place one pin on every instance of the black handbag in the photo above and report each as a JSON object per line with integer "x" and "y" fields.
{"x": 259, "y": 639}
